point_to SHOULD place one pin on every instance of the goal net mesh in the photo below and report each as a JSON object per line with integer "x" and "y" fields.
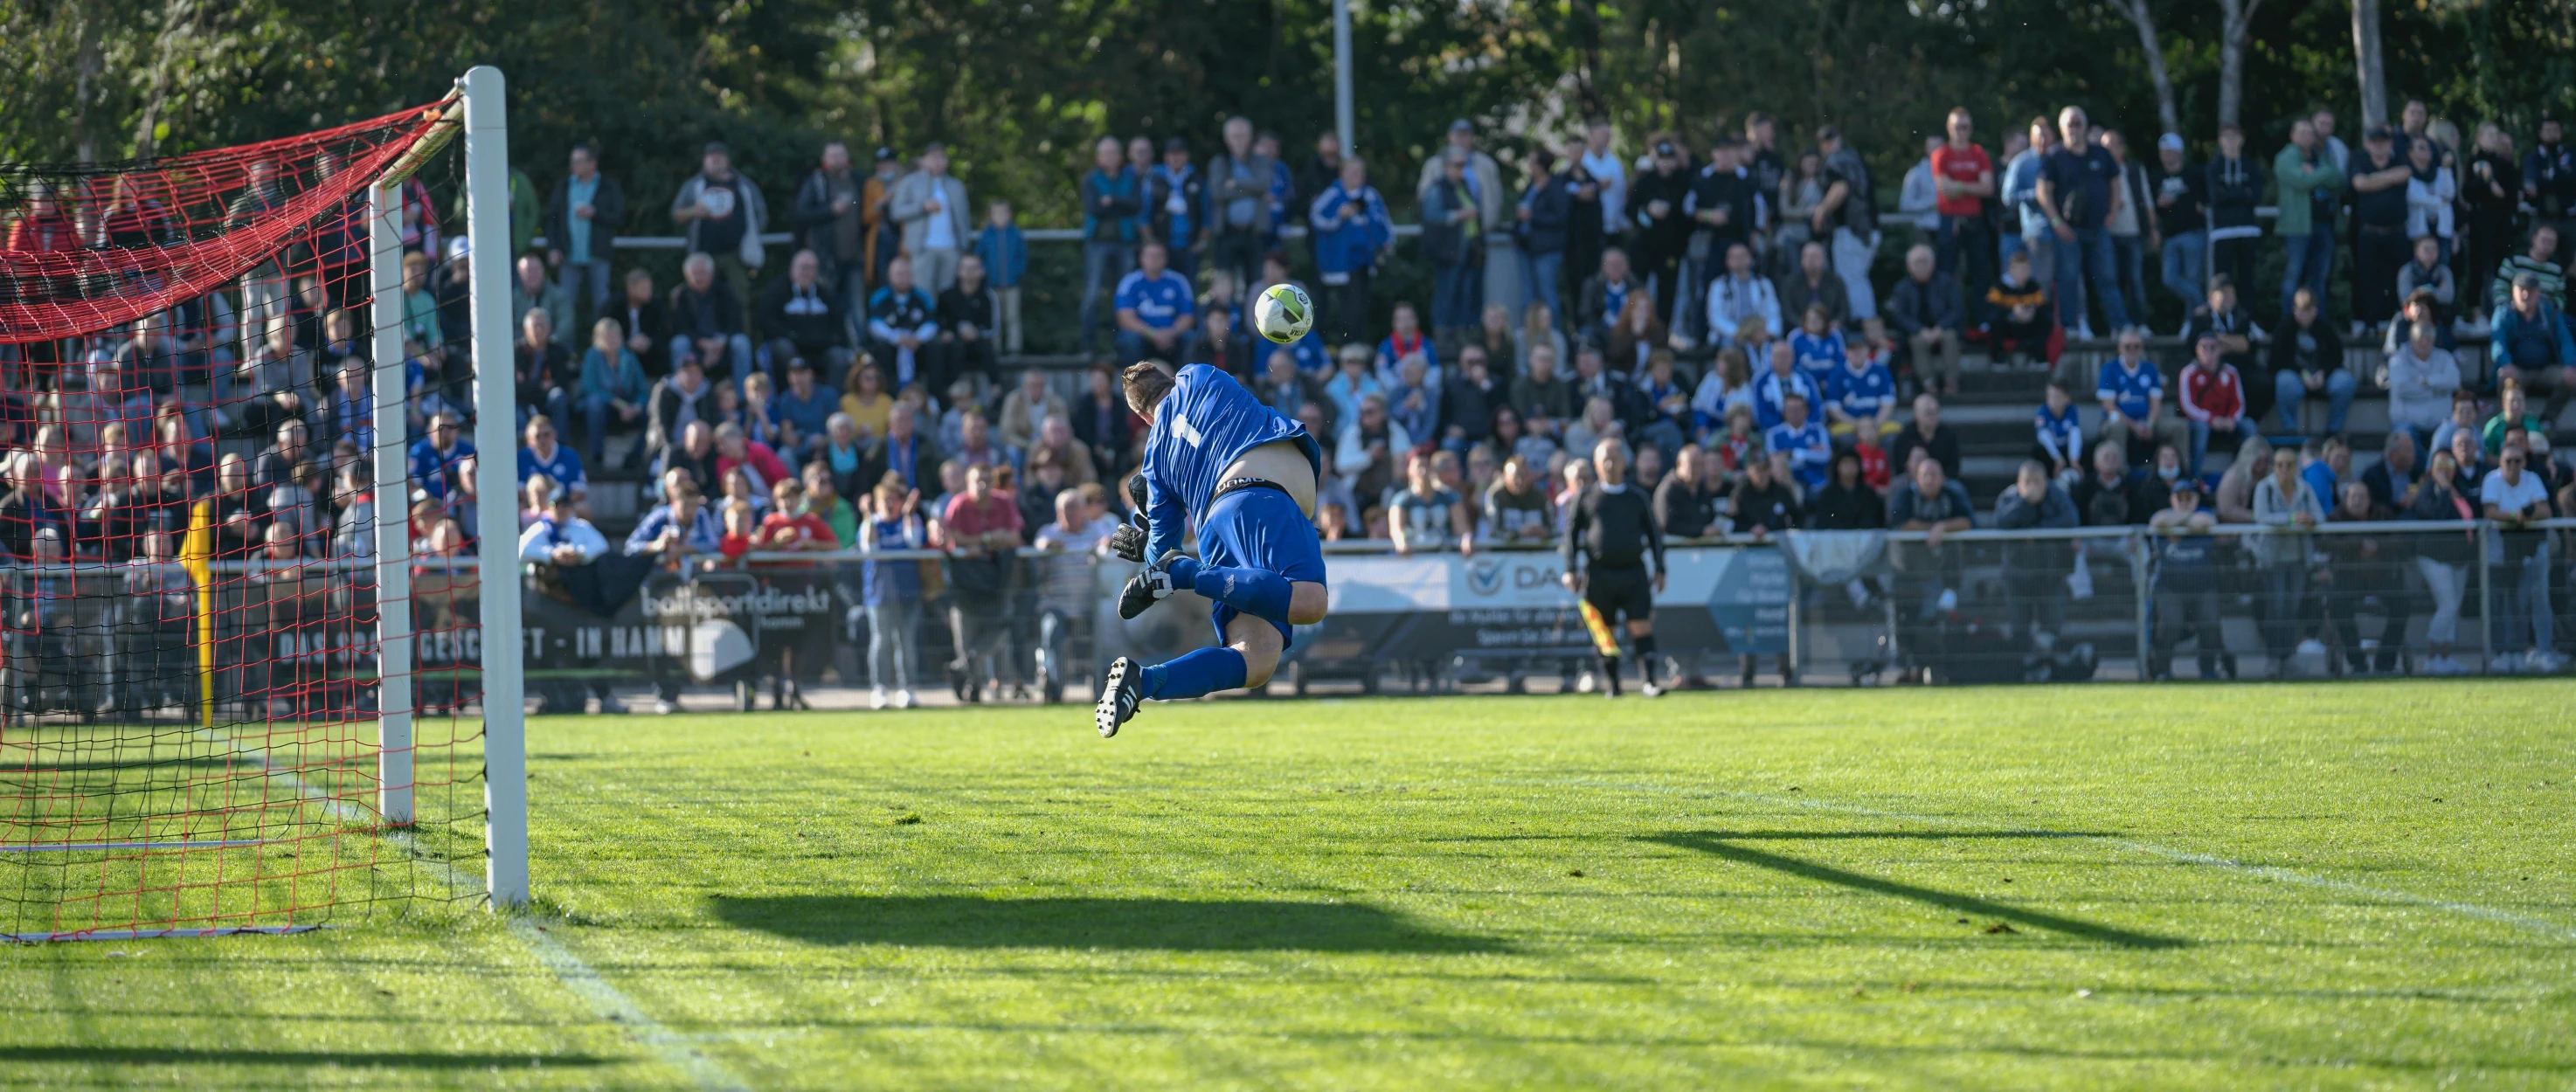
{"x": 189, "y": 677}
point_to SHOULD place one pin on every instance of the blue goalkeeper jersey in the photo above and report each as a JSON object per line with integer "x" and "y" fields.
{"x": 1202, "y": 427}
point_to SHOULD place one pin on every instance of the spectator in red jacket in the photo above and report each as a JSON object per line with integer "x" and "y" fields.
{"x": 2213, "y": 398}
{"x": 734, "y": 448}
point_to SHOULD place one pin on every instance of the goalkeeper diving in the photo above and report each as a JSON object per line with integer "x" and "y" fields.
{"x": 1245, "y": 476}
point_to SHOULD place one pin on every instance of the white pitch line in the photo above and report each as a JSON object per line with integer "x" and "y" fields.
{"x": 2552, "y": 929}
{"x": 606, "y": 1001}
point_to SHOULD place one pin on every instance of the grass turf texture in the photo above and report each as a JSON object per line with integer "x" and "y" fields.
{"x": 1972, "y": 888}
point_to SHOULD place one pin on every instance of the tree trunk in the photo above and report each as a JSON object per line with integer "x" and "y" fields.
{"x": 2366, "y": 57}
{"x": 2231, "y": 58}
{"x": 2145, "y": 18}
{"x": 87, "y": 63}
{"x": 176, "y": 22}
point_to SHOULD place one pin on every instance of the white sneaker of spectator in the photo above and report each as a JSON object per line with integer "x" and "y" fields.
{"x": 2503, "y": 664}
{"x": 665, "y": 706}
{"x": 2543, "y": 661}
{"x": 608, "y": 703}
{"x": 2312, "y": 647}
{"x": 877, "y": 697}
{"x": 903, "y": 698}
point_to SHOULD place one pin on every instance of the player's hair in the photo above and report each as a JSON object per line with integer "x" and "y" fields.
{"x": 1145, "y": 383}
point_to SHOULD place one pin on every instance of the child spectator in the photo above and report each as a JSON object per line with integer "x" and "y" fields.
{"x": 891, "y": 591}
{"x": 2021, "y": 322}
{"x": 1005, "y": 251}
{"x": 2060, "y": 435}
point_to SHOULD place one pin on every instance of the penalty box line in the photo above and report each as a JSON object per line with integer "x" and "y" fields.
{"x": 2543, "y": 926}
{"x": 606, "y": 1001}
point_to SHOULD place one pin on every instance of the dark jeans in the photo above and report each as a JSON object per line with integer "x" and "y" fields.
{"x": 2197, "y": 610}
{"x": 2376, "y": 254}
{"x": 2285, "y": 596}
{"x": 2129, "y": 259}
{"x": 2087, "y": 258}
{"x": 2235, "y": 258}
{"x": 1237, "y": 253}
{"x": 1458, "y": 295}
{"x": 1346, "y": 310}
{"x": 1965, "y": 247}
{"x": 2355, "y": 590}
{"x": 1102, "y": 265}
{"x": 2310, "y": 258}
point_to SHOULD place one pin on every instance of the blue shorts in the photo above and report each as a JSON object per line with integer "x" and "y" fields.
{"x": 1259, "y": 529}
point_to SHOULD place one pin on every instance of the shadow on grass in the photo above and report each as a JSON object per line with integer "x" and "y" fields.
{"x": 1717, "y": 844}
{"x": 950, "y": 921}
{"x": 350, "y": 1058}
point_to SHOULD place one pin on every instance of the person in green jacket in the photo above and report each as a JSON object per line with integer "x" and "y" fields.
{"x": 2311, "y": 185}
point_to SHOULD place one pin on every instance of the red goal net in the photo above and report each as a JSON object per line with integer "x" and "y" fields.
{"x": 195, "y": 731}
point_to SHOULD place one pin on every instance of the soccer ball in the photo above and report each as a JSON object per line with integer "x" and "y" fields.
{"x": 1283, "y": 313}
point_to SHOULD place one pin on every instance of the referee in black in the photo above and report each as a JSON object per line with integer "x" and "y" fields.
{"x": 1611, "y": 528}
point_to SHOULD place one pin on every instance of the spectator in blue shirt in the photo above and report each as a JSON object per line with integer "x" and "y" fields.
{"x": 1110, "y": 202}
{"x": 612, "y": 381}
{"x": 1155, "y": 309}
{"x": 434, "y": 458}
{"x": 544, "y": 454}
{"x": 2532, "y": 345}
{"x": 1810, "y": 451}
{"x": 1173, "y": 192}
{"x": 680, "y": 526}
{"x": 1861, "y": 395}
{"x": 1817, "y": 344}
{"x": 2132, "y": 392}
{"x": 1772, "y": 389}
{"x": 803, "y": 412}
{"x": 2075, "y": 192}
{"x": 1352, "y": 235}
{"x": 1005, "y": 251}
{"x": 2059, "y": 440}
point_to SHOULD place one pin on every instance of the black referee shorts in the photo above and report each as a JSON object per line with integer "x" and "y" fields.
{"x": 1620, "y": 591}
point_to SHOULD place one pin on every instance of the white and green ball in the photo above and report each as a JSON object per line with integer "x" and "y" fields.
{"x": 1283, "y": 313}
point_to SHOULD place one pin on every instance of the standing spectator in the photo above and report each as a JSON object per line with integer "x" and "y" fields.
{"x": 2132, "y": 227}
{"x": 1494, "y": 217}
{"x": 2287, "y": 508}
{"x": 2427, "y": 276}
{"x": 1659, "y": 221}
{"x": 1066, "y": 586}
{"x": 722, "y": 214}
{"x": 1814, "y": 284}
{"x": 2311, "y": 184}
{"x": 2181, "y": 220}
{"x": 1963, "y": 180}
{"x": 2235, "y": 187}
{"x": 1004, "y": 252}
{"x": 2514, "y": 498}
{"x": 2035, "y": 570}
{"x": 802, "y": 318}
{"x": 903, "y": 328}
{"x": 1924, "y": 310}
{"x": 706, "y": 321}
{"x": 2549, "y": 183}
{"x": 1610, "y": 174}
{"x": 1352, "y": 234}
{"x": 2023, "y": 156}
{"x": 2492, "y": 189}
{"x": 1605, "y": 294}
{"x": 1366, "y": 450}
{"x": 532, "y": 291}
{"x": 1453, "y": 241}
{"x": 2186, "y": 584}
{"x": 2444, "y": 559}
{"x": 1545, "y": 210}
{"x": 891, "y": 591}
{"x": 931, "y": 206}
{"x": 1849, "y": 216}
{"x": 1174, "y": 195}
{"x": 968, "y": 313}
{"x": 1238, "y": 203}
{"x": 877, "y": 229}
{"x": 613, "y": 389}
{"x": 2432, "y": 195}
{"x": 1743, "y": 307}
{"x": 2132, "y": 392}
{"x": 1930, "y": 502}
{"x": 1917, "y": 199}
{"x": 1026, "y": 405}
{"x": 2307, "y": 362}
{"x": 1155, "y": 309}
{"x": 1112, "y": 196}
{"x": 542, "y": 368}
{"x": 2380, "y": 180}
{"x": 585, "y": 212}
{"x": 979, "y": 530}
{"x": 831, "y": 219}
{"x": 2548, "y": 275}
{"x": 1319, "y": 170}
{"x": 2075, "y": 192}
{"x": 1925, "y": 432}
{"x": 2212, "y": 399}
{"x": 2532, "y": 346}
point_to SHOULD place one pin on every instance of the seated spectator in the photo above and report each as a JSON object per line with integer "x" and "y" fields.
{"x": 2430, "y": 277}
{"x": 1605, "y": 294}
{"x": 2236, "y": 333}
{"x": 1516, "y": 509}
{"x": 2021, "y": 325}
{"x": 866, "y": 402}
{"x": 2327, "y": 465}
{"x": 2058, "y": 434}
{"x": 1509, "y": 438}
{"x": 1156, "y": 309}
{"x": 683, "y": 398}
{"x": 2307, "y": 362}
{"x": 2421, "y": 378}
{"x": 1743, "y": 307}
{"x": 1668, "y": 420}
{"x": 1467, "y": 401}
{"x": 1634, "y": 339}
{"x": 2472, "y": 459}
{"x": 969, "y": 314}
{"x": 1805, "y": 443}
{"x": 1217, "y": 344}
{"x": 1686, "y": 501}
{"x": 679, "y": 528}
{"x": 1599, "y": 422}
{"x": 1055, "y": 438}
{"x": 1927, "y": 313}
{"x": 1426, "y": 514}
{"x": 1847, "y": 502}
{"x": 1353, "y": 381}
{"x": 2035, "y": 570}
{"x": 734, "y": 448}
{"x": 1029, "y": 403}
{"x": 561, "y": 537}
{"x": 1413, "y": 401}
{"x": 1872, "y": 453}
{"x": 790, "y": 524}
{"x": 531, "y": 291}
{"x": 2513, "y": 411}
{"x": 1815, "y": 284}
{"x": 2151, "y": 490}
{"x": 903, "y": 327}
{"x": 2186, "y": 584}
{"x": 2417, "y": 308}
{"x": 1817, "y": 344}
{"x": 2102, "y": 496}
{"x": 276, "y": 364}
{"x": 435, "y": 459}
{"x": 1860, "y": 395}
{"x": 904, "y": 451}
{"x": 1543, "y": 400}
{"x": 1925, "y": 434}
{"x": 2464, "y": 418}
{"x": 2398, "y": 477}
{"x": 2514, "y": 498}
{"x": 1366, "y": 450}
{"x": 2213, "y": 402}
{"x": 803, "y": 412}
{"x": 977, "y": 447}
{"x": 1537, "y": 328}
{"x": 706, "y": 321}
{"x": 646, "y": 324}
{"x": 1771, "y": 390}
{"x": 277, "y": 462}
{"x": 1035, "y": 490}
{"x": 1763, "y": 504}
{"x": 2287, "y": 508}
{"x": 544, "y": 454}
{"x": 801, "y": 317}
{"x": 614, "y": 392}
{"x": 1727, "y": 386}
{"x": 1405, "y": 338}
{"x": 2540, "y": 262}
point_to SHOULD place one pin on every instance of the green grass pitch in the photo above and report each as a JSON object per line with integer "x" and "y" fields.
{"x": 2358, "y": 886}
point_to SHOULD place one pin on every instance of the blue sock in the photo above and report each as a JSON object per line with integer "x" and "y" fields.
{"x": 1258, "y": 592}
{"x": 1197, "y": 674}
